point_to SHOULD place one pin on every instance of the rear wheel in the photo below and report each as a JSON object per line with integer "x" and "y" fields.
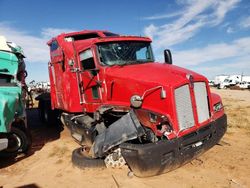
{"x": 47, "y": 115}
{"x": 81, "y": 160}
{"x": 41, "y": 110}
{"x": 19, "y": 141}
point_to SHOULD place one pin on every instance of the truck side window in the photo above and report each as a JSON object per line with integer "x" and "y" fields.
{"x": 5, "y": 79}
{"x": 87, "y": 60}
{"x": 53, "y": 46}
{"x": 142, "y": 53}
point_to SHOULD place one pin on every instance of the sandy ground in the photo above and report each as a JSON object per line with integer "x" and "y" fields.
{"x": 49, "y": 161}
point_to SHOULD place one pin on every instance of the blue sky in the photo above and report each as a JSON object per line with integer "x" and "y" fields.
{"x": 211, "y": 37}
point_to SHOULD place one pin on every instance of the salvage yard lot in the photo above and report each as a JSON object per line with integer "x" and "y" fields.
{"x": 49, "y": 162}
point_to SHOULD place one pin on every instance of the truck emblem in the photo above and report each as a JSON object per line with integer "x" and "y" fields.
{"x": 191, "y": 80}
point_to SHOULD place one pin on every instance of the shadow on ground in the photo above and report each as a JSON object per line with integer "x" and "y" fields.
{"x": 41, "y": 134}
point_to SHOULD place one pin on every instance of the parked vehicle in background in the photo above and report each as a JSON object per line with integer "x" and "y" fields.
{"x": 244, "y": 85}
{"x": 211, "y": 82}
{"x": 45, "y": 86}
{"x": 14, "y": 134}
{"x": 231, "y": 80}
{"x": 219, "y": 79}
{"x": 123, "y": 107}
{"x": 245, "y": 78}
{"x": 225, "y": 84}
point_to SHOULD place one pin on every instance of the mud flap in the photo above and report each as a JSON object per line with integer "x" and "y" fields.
{"x": 126, "y": 128}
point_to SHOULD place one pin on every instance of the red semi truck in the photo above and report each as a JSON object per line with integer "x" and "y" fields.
{"x": 123, "y": 107}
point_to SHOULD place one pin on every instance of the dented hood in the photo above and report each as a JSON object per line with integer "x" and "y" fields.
{"x": 10, "y": 103}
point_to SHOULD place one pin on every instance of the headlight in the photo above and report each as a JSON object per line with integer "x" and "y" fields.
{"x": 157, "y": 122}
{"x": 218, "y": 106}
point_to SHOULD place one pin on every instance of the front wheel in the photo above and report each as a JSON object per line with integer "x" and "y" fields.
{"x": 19, "y": 141}
{"x": 81, "y": 160}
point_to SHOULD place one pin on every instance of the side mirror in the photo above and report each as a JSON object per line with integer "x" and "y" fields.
{"x": 168, "y": 56}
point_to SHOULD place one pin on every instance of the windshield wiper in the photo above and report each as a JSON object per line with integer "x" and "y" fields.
{"x": 125, "y": 63}
{"x": 133, "y": 62}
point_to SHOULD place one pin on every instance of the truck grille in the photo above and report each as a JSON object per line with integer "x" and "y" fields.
{"x": 184, "y": 107}
{"x": 200, "y": 93}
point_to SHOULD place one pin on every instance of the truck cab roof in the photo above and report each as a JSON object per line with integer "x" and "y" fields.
{"x": 96, "y": 36}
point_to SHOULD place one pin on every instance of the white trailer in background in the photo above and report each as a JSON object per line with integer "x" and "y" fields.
{"x": 232, "y": 80}
{"x": 225, "y": 81}
{"x": 219, "y": 79}
{"x": 43, "y": 85}
{"x": 245, "y": 82}
{"x": 245, "y": 79}
{"x": 244, "y": 85}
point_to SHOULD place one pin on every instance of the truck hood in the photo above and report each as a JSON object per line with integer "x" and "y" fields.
{"x": 124, "y": 81}
{"x": 10, "y": 103}
{"x": 148, "y": 73}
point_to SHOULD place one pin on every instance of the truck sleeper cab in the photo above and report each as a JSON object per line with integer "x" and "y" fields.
{"x": 121, "y": 105}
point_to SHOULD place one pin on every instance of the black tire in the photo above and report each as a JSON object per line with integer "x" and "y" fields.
{"x": 41, "y": 110}
{"x": 47, "y": 115}
{"x": 19, "y": 141}
{"x": 82, "y": 161}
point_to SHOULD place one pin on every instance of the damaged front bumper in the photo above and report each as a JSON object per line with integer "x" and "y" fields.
{"x": 160, "y": 157}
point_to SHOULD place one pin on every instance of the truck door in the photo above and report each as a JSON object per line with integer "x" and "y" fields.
{"x": 57, "y": 68}
{"x": 89, "y": 77}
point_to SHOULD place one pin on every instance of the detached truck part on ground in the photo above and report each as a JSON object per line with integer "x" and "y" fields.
{"x": 123, "y": 107}
{"x": 14, "y": 136}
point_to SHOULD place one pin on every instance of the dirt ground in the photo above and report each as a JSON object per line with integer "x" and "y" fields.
{"x": 49, "y": 161}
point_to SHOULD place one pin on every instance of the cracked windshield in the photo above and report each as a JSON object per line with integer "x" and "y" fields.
{"x": 125, "y": 53}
